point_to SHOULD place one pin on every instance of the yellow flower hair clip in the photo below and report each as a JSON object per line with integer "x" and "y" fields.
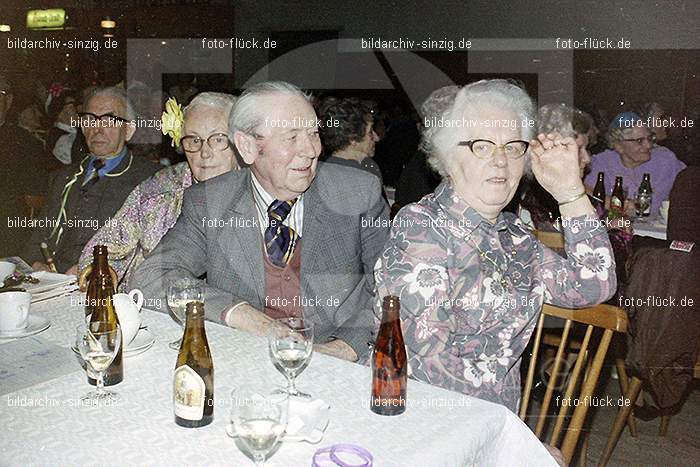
{"x": 172, "y": 121}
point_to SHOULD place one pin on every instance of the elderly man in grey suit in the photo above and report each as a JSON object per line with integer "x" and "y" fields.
{"x": 287, "y": 237}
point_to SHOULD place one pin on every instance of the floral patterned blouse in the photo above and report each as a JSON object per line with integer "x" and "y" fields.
{"x": 471, "y": 291}
{"x": 149, "y": 211}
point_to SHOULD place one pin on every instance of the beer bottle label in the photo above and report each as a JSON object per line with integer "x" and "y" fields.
{"x": 188, "y": 394}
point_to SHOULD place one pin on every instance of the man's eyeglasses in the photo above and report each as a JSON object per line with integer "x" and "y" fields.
{"x": 217, "y": 141}
{"x": 485, "y": 149}
{"x": 88, "y": 119}
{"x": 640, "y": 141}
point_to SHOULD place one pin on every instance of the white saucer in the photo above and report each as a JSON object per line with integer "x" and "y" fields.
{"x": 35, "y": 324}
{"x": 143, "y": 341}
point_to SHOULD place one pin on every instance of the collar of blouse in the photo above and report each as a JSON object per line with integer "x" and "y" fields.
{"x": 465, "y": 218}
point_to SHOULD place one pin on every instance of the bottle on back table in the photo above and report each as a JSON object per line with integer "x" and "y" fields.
{"x": 599, "y": 192}
{"x": 617, "y": 201}
{"x": 644, "y": 195}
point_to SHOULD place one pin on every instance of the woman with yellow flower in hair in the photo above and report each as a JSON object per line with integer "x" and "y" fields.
{"x": 153, "y": 206}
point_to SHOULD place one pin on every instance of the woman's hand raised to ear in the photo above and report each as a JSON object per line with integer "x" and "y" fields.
{"x": 555, "y": 165}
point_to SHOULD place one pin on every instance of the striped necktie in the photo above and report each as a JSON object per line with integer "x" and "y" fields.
{"x": 280, "y": 240}
{"x": 97, "y": 164}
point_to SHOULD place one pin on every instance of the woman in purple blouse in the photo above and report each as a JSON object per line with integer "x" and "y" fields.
{"x": 472, "y": 279}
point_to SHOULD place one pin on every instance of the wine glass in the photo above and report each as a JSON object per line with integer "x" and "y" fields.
{"x": 98, "y": 343}
{"x": 259, "y": 418}
{"x": 180, "y": 293}
{"x": 291, "y": 343}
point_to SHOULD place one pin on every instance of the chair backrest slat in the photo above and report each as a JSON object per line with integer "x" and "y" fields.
{"x": 576, "y": 424}
{"x": 573, "y": 382}
{"x": 531, "y": 368}
{"x": 554, "y": 376}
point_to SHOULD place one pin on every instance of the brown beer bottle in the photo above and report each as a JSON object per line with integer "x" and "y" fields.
{"x": 103, "y": 310}
{"x": 193, "y": 384}
{"x": 599, "y": 191}
{"x": 644, "y": 195}
{"x": 389, "y": 363}
{"x": 617, "y": 201}
{"x": 100, "y": 268}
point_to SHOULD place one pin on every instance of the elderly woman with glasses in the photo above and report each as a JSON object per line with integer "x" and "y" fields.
{"x": 471, "y": 278}
{"x": 632, "y": 153}
{"x": 152, "y": 208}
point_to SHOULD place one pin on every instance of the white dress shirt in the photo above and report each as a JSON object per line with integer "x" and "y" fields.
{"x": 263, "y": 200}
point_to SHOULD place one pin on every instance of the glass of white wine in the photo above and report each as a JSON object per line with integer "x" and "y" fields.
{"x": 180, "y": 293}
{"x": 259, "y": 419}
{"x": 291, "y": 343}
{"x": 98, "y": 343}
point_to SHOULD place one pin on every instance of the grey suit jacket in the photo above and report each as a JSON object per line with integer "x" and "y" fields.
{"x": 218, "y": 233}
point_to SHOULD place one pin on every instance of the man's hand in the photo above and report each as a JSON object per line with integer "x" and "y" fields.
{"x": 338, "y": 349}
{"x": 249, "y": 319}
{"x": 39, "y": 266}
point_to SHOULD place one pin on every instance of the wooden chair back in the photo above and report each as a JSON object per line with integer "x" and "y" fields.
{"x": 609, "y": 319}
{"x": 34, "y": 203}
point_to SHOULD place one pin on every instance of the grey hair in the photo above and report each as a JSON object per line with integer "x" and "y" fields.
{"x": 246, "y": 115}
{"x": 493, "y": 92}
{"x": 217, "y": 100}
{"x": 117, "y": 93}
{"x": 433, "y": 110}
{"x": 563, "y": 119}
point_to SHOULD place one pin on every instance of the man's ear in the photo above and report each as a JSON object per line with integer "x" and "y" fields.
{"x": 130, "y": 130}
{"x": 246, "y": 146}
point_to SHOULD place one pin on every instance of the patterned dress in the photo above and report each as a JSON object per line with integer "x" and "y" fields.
{"x": 471, "y": 291}
{"x": 149, "y": 211}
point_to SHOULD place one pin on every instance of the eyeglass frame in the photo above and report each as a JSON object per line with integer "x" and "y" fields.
{"x": 201, "y": 145}
{"x": 470, "y": 144}
{"x": 119, "y": 119}
{"x": 651, "y": 138}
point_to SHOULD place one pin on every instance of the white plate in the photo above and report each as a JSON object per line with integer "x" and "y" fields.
{"x": 47, "y": 281}
{"x": 307, "y": 421}
{"x": 53, "y": 293}
{"x": 143, "y": 341}
{"x": 35, "y": 325}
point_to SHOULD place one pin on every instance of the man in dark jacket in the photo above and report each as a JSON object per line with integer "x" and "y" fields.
{"x": 23, "y": 171}
{"x": 83, "y": 196}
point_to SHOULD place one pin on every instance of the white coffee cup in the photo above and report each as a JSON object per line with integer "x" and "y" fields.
{"x": 6, "y": 269}
{"x": 14, "y": 310}
{"x": 129, "y": 313}
{"x": 663, "y": 210}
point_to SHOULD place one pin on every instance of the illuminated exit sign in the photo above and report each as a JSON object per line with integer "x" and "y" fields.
{"x": 43, "y": 19}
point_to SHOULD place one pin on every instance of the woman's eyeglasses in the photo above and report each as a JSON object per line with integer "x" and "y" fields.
{"x": 217, "y": 141}
{"x": 640, "y": 141}
{"x": 485, "y": 149}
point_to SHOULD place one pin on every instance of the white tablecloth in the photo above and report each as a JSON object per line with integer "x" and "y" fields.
{"x": 140, "y": 430}
{"x": 650, "y": 227}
